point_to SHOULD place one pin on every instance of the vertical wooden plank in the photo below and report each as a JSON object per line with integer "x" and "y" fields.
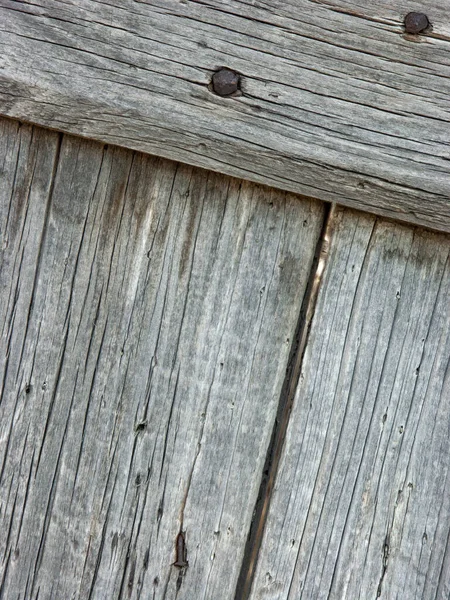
{"x": 146, "y": 350}
{"x": 361, "y": 503}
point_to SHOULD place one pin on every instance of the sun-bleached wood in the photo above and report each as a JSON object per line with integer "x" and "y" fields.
{"x": 361, "y": 503}
{"x": 147, "y": 314}
{"x": 337, "y": 102}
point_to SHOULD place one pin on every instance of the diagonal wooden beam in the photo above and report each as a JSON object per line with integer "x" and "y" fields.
{"x": 335, "y": 100}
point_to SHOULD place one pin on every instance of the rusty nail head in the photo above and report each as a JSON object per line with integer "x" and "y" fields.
{"x": 225, "y": 82}
{"x": 416, "y": 22}
{"x": 181, "y": 554}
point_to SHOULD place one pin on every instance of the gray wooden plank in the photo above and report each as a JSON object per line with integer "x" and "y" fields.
{"x": 361, "y": 503}
{"x": 147, "y": 315}
{"x": 337, "y": 102}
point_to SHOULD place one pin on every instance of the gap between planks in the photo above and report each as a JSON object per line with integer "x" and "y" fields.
{"x": 287, "y": 396}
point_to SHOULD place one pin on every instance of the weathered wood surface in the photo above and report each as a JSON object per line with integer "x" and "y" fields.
{"x": 338, "y": 103}
{"x": 361, "y": 504}
{"x": 147, "y": 314}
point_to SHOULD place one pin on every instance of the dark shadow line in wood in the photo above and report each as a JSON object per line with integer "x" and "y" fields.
{"x": 293, "y": 370}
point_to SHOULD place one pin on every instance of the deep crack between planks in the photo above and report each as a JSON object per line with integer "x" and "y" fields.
{"x": 287, "y": 395}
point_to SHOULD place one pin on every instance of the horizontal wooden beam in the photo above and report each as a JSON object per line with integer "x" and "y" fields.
{"x": 336, "y": 101}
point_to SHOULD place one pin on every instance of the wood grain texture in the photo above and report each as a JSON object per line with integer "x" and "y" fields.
{"x": 361, "y": 505}
{"x": 147, "y": 313}
{"x": 338, "y": 103}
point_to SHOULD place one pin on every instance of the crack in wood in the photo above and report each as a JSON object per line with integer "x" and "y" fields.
{"x": 286, "y": 400}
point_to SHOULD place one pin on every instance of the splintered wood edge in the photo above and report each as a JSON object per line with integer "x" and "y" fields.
{"x": 342, "y": 106}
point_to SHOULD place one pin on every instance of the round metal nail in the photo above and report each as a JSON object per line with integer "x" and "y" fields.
{"x": 416, "y": 22}
{"x": 225, "y": 82}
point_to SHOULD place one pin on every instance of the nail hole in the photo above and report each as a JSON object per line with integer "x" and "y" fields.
{"x": 141, "y": 426}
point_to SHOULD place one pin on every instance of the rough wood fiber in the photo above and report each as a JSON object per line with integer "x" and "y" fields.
{"x": 338, "y": 103}
{"x": 146, "y": 316}
{"x": 361, "y": 504}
